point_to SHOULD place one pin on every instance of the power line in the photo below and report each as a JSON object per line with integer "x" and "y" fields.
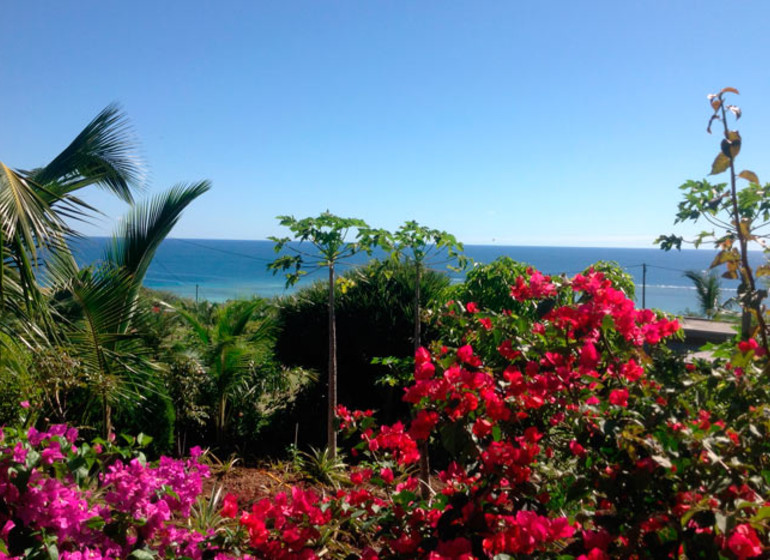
{"x": 225, "y": 251}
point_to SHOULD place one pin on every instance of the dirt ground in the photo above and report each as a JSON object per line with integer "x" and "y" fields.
{"x": 251, "y": 483}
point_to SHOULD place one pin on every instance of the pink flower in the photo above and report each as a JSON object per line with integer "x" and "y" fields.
{"x": 24, "y": 404}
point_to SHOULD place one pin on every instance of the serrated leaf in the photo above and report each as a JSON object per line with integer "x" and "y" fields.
{"x": 729, "y": 90}
{"x": 720, "y": 165}
{"x": 750, "y": 176}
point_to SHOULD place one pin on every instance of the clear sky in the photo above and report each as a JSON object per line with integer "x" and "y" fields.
{"x": 521, "y": 123}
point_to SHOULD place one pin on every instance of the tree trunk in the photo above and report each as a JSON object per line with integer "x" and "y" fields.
{"x": 331, "y": 431}
{"x": 424, "y": 474}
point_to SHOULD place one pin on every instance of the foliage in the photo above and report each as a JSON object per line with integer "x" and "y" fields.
{"x": 736, "y": 215}
{"x": 97, "y": 308}
{"x": 708, "y": 288}
{"x": 235, "y": 342}
{"x": 328, "y": 236}
{"x": 576, "y": 435}
{"x": 319, "y": 466}
{"x": 586, "y": 441}
{"x": 489, "y": 285}
{"x": 374, "y": 316}
{"x": 61, "y": 500}
{"x": 34, "y": 206}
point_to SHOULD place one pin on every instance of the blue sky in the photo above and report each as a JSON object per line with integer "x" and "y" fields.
{"x": 540, "y": 123}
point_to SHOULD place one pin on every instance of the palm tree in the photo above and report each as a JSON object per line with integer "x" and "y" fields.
{"x": 236, "y": 338}
{"x": 97, "y": 306}
{"x": 35, "y": 204}
{"x": 709, "y": 289}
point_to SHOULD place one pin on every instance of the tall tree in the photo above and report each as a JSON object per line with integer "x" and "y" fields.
{"x": 328, "y": 235}
{"x": 420, "y": 247}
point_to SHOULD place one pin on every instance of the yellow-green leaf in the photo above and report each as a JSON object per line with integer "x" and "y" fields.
{"x": 721, "y": 163}
{"x": 731, "y": 145}
{"x": 750, "y": 176}
{"x": 725, "y": 257}
{"x": 762, "y": 270}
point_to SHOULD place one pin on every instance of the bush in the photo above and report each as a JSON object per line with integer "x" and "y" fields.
{"x": 374, "y": 309}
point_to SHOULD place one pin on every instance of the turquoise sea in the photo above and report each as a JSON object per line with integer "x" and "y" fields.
{"x": 218, "y": 270}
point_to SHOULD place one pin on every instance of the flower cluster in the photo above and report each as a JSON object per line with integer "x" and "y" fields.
{"x": 55, "y": 493}
{"x": 564, "y": 429}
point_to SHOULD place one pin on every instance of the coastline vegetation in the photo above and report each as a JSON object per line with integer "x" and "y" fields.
{"x": 557, "y": 421}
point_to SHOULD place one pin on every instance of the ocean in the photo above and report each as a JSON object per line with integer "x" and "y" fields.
{"x": 218, "y": 270}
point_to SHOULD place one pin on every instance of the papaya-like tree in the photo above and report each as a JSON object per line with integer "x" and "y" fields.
{"x": 737, "y": 217}
{"x": 328, "y": 235}
{"x": 419, "y": 247}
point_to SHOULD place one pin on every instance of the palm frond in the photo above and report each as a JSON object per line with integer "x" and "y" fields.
{"x": 146, "y": 225}
{"x": 708, "y": 288}
{"x": 102, "y": 154}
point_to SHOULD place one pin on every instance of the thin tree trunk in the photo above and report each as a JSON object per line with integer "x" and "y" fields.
{"x": 107, "y": 412}
{"x": 747, "y": 277}
{"x": 424, "y": 474}
{"x": 331, "y": 431}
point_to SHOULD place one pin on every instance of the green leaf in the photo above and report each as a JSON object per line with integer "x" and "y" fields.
{"x": 143, "y": 440}
{"x": 762, "y": 513}
{"x": 496, "y": 433}
{"x": 141, "y": 554}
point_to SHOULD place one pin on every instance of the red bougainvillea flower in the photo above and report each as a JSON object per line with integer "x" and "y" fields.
{"x": 230, "y": 506}
{"x": 619, "y": 397}
{"x": 746, "y": 346}
{"x": 744, "y": 542}
{"x": 577, "y": 449}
